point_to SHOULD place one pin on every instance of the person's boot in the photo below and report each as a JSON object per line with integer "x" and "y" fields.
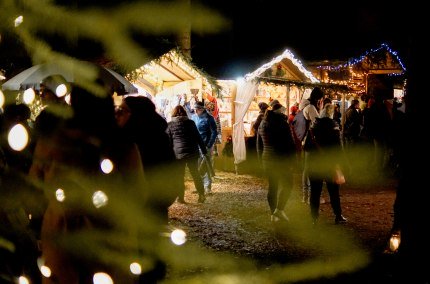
{"x": 340, "y": 220}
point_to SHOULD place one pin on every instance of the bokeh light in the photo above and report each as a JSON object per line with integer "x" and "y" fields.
{"x": 46, "y": 271}
{"x": 67, "y": 99}
{"x": 135, "y": 268}
{"x": 106, "y": 165}
{"x": 29, "y": 96}
{"x": 59, "y": 194}
{"x": 61, "y": 90}
{"x": 102, "y": 278}
{"x": 2, "y": 99}
{"x": 18, "y": 21}
{"x": 178, "y": 237}
{"x": 100, "y": 199}
{"x": 23, "y": 280}
{"x": 18, "y": 137}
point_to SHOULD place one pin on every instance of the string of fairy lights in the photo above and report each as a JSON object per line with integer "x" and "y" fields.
{"x": 148, "y": 71}
{"x": 18, "y": 139}
{"x": 286, "y": 54}
{"x": 355, "y": 61}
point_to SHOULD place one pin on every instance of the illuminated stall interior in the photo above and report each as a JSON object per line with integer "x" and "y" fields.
{"x": 364, "y": 74}
{"x": 170, "y": 80}
{"x": 284, "y": 78}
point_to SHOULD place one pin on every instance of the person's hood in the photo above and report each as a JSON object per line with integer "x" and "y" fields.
{"x": 303, "y": 104}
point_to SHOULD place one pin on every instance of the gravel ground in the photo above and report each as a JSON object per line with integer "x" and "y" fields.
{"x": 234, "y": 222}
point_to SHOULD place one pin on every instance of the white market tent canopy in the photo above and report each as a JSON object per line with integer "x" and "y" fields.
{"x": 283, "y": 69}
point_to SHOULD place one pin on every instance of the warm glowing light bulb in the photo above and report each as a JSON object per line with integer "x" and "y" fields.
{"x": 106, "y": 165}
{"x": 28, "y": 96}
{"x": 135, "y": 268}
{"x": 23, "y": 280}
{"x": 102, "y": 278}
{"x": 100, "y": 199}
{"x": 61, "y": 90}
{"x": 178, "y": 237}
{"x": 2, "y": 99}
{"x": 18, "y": 137}
{"x": 59, "y": 194}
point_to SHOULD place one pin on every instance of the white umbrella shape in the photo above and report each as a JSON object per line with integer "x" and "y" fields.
{"x": 31, "y": 78}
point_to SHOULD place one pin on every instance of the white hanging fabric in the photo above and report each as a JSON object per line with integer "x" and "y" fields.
{"x": 245, "y": 93}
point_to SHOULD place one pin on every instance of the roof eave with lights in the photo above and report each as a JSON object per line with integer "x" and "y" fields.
{"x": 286, "y": 54}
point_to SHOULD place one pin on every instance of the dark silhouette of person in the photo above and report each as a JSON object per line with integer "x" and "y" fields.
{"x": 144, "y": 126}
{"x": 186, "y": 141}
{"x": 276, "y": 151}
{"x": 85, "y": 198}
{"x": 324, "y": 157}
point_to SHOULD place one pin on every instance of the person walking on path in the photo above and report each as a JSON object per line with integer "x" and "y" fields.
{"x": 325, "y": 156}
{"x": 186, "y": 141}
{"x": 310, "y": 111}
{"x": 141, "y": 124}
{"x": 207, "y": 128}
{"x": 276, "y": 151}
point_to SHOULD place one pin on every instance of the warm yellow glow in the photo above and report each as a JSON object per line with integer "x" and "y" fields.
{"x": 61, "y": 90}
{"x": 100, "y": 199}
{"x": 59, "y": 194}
{"x": 135, "y": 268}
{"x": 18, "y": 21}
{"x": 18, "y": 137}
{"x": 106, "y": 165}
{"x": 394, "y": 242}
{"x": 46, "y": 271}
{"x": 23, "y": 280}
{"x": 102, "y": 278}
{"x": 28, "y": 96}
{"x": 1, "y": 99}
{"x": 178, "y": 237}
{"x": 30, "y": 216}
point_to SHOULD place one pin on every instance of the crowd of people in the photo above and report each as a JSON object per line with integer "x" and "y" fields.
{"x": 313, "y": 138}
{"x": 89, "y": 164}
{"x": 89, "y": 174}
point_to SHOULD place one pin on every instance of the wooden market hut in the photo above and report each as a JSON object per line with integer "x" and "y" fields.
{"x": 376, "y": 69}
{"x": 170, "y": 78}
{"x": 283, "y": 78}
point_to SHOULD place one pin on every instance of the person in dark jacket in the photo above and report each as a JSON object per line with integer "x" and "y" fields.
{"x": 262, "y": 106}
{"x": 145, "y": 127}
{"x": 276, "y": 151}
{"x": 186, "y": 141}
{"x": 351, "y": 128}
{"x": 325, "y": 156}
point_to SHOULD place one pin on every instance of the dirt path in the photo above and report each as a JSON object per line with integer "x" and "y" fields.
{"x": 235, "y": 220}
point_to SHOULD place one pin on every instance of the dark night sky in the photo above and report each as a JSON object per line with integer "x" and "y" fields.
{"x": 262, "y": 29}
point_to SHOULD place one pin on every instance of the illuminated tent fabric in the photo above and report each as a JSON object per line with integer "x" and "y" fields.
{"x": 292, "y": 72}
{"x": 244, "y": 95}
{"x": 32, "y": 77}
